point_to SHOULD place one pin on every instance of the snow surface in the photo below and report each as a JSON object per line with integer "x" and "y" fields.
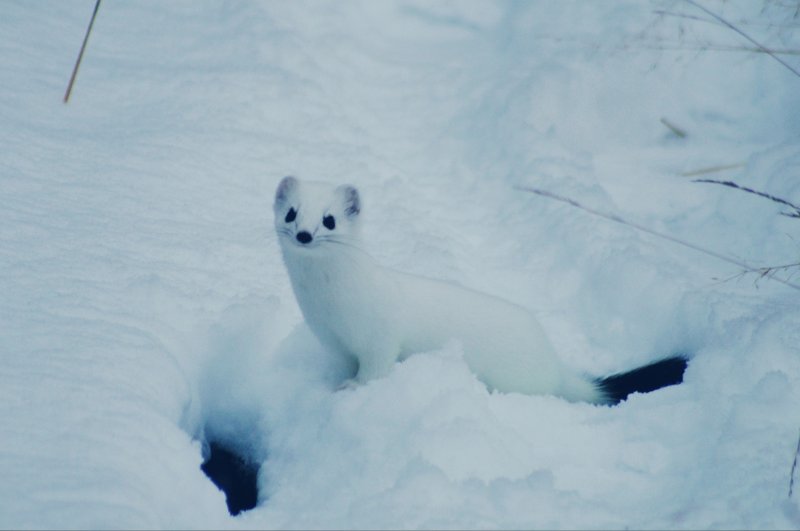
{"x": 144, "y": 307}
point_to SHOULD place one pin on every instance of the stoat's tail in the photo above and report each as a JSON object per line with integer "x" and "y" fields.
{"x": 617, "y": 387}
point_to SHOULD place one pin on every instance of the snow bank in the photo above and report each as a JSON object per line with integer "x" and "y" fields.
{"x": 145, "y": 309}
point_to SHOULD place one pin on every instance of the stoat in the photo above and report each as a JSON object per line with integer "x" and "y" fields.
{"x": 380, "y": 316}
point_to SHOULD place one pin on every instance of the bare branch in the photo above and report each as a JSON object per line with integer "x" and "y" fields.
{"x": 794, "y": 466}
{"x": 666, "y": 13}
{"x": 704, "y": 47}
{"x": 746, "y": 36}
{"x": 617, "y": 219}
{"x": 731, "y": 184}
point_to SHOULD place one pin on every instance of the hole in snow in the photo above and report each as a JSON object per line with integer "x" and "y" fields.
{"x": 236, "y": 475}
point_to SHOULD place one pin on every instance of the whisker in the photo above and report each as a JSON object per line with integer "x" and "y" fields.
{"x": 345, "y": 241}
{"x": 340, "y": 241}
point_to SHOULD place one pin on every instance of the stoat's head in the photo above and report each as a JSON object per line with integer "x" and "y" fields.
{"x": 315, "y": 216}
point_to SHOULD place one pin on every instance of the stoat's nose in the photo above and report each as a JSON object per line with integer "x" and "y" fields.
{"x": 304, "y": 237}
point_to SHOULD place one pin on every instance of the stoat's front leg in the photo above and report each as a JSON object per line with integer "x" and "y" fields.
{"x": 375, "y": 364}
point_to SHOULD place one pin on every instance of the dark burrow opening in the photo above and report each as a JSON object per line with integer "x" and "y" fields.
{"x": 236, "y": 475}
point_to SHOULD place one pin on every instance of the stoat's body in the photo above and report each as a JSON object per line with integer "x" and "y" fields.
{"x": 380, "y": 316}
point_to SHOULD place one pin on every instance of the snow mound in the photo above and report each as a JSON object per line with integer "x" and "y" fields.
{"x": 145, "y": 312}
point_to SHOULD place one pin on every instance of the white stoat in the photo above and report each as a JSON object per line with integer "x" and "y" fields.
{"x": 379, "y": 315}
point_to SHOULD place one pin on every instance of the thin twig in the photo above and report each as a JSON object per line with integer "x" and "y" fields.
{"x": 774, "y": 269}
{"x": 731, "y": 184}
{"x": 794, "y": 466}
{"x": 664, "y": 12}
{"x": 704, "y": 47}
{"x": 768, "y": 272}
{"x": 80, "y": 54}
{"x": 745, "y": 35}
{"x": 749, "y": 23}
{"x": 614, "y": 217}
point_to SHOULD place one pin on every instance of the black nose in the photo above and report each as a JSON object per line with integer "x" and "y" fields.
{"x": 304, "y": 237}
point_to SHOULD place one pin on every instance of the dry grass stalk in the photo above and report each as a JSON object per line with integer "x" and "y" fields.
{"x": 80, "y": 54}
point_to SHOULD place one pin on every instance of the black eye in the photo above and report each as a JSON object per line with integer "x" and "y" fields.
{"x": 291, "y": 215}
{"x": 329, "y": 222}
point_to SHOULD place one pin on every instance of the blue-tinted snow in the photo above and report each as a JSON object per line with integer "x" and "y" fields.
{"x": 144, "y": 305}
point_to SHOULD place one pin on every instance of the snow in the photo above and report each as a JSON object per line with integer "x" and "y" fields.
{"x": 145, "y": 308}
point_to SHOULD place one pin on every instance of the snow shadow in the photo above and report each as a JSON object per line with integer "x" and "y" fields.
{"x": 260, "y": 373}
{"x": 232, "y": 427}
{"x": 234, "y": 474}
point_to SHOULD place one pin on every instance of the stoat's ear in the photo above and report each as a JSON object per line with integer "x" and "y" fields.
{"x": 286, "y": 186}
{"x": 352, "y": 202}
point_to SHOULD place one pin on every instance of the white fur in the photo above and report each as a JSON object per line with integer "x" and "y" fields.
{"x": 380, "y": 316}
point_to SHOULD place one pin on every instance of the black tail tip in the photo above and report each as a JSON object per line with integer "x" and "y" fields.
{"x": 662, "y": 373}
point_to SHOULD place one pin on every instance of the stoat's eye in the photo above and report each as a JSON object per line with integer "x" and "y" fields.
{"x": 291, "y": 215}
{"x": 329, "y": 222}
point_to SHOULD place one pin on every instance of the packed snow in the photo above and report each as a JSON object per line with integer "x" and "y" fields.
{"x": 145, "y": 309}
